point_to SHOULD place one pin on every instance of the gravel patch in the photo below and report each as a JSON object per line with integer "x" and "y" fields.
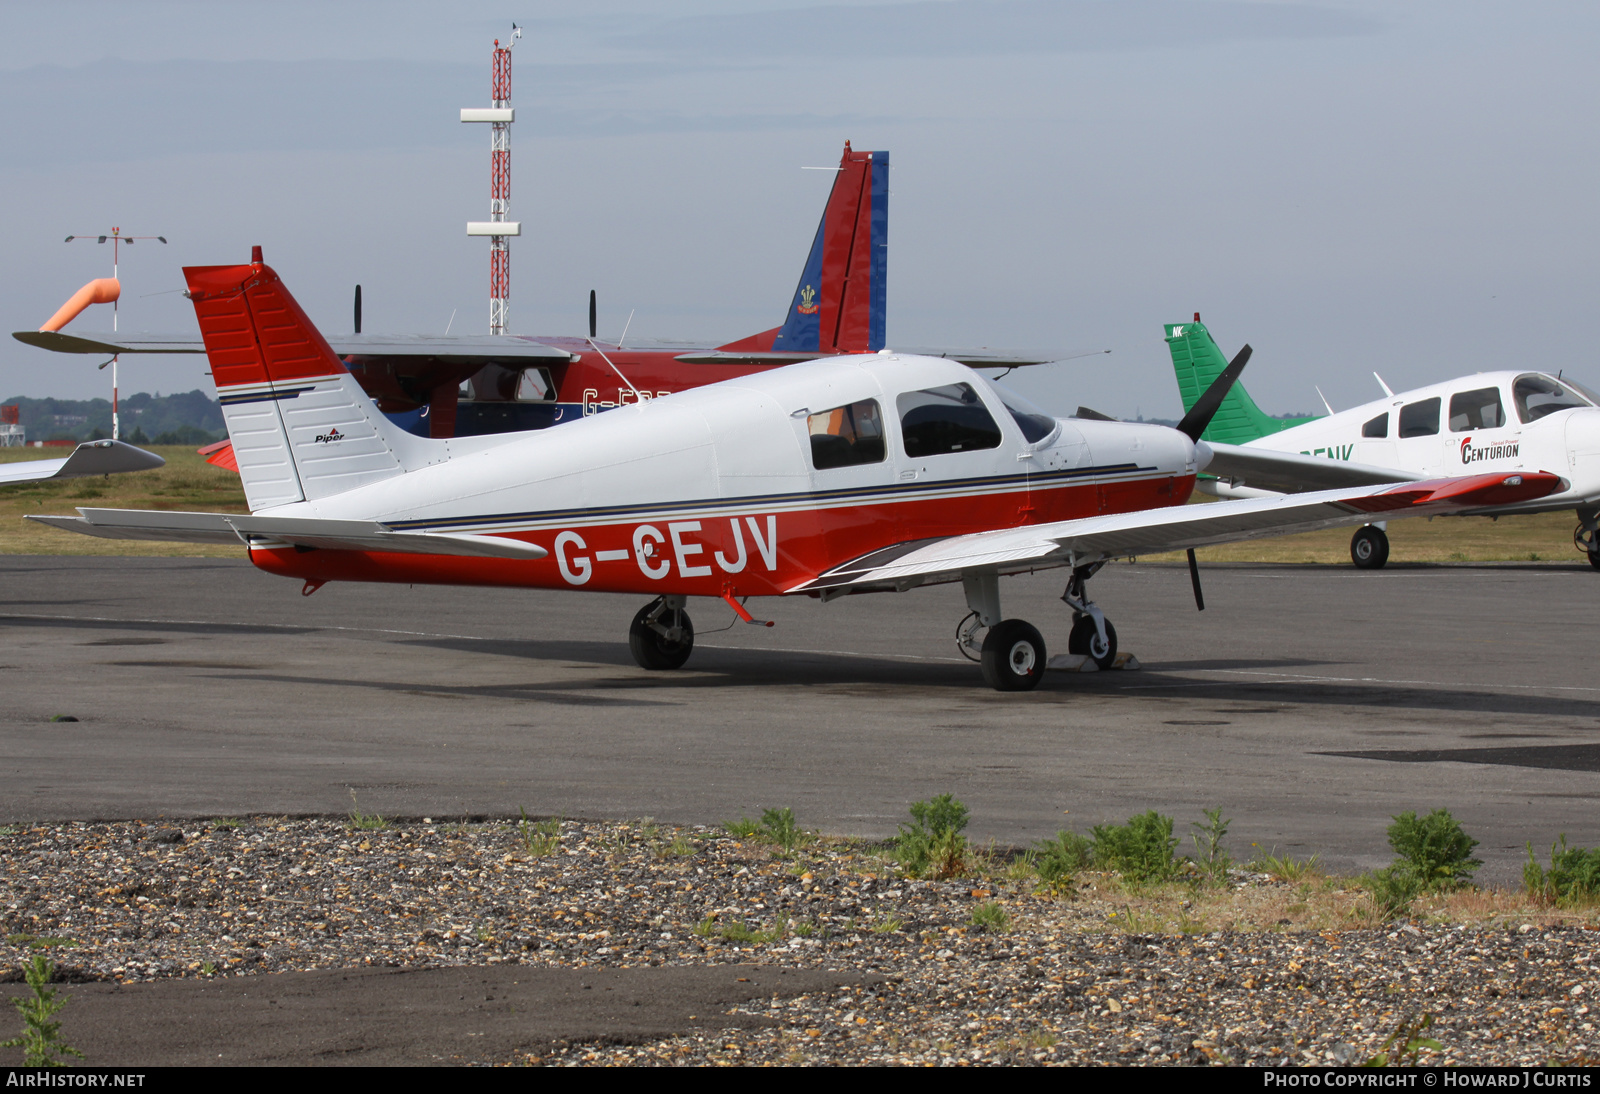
{"x": 1059, "y": 982}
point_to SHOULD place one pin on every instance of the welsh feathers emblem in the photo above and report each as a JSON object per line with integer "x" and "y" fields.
{"x": 807, "y": 295}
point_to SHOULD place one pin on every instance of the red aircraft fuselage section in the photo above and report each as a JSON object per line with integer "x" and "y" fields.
{"x": 707, "y": 551}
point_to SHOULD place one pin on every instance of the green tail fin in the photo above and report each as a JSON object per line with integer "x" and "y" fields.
{"x": 1197, "y": 361}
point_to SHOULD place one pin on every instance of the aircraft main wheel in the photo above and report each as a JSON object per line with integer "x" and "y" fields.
{"x": 655, "y": 651}
{"x": 1086, "y": 639}
{"x": 1013, "y": 656}
{"x": 1369, "y": 548}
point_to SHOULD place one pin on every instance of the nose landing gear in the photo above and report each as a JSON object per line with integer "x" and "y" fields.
{"x": 661, "y": 636}
{"x": 1092, "y": 633}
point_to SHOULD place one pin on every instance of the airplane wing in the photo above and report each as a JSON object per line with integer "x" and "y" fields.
{"x": 1290, "y": 472}
{"x": 238, "y": 528}
{"x": 1092, "y": 539}
{"x": 976, "y": 358}
{"x": 89, "y": 458}
{"x": 466, "y": 347}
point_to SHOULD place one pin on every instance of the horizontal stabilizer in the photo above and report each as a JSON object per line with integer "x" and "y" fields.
{"x": 89, "y": 458}
{"x": 314, "y": 532}
{"x": 1176, "y": 528}
{"x": 1289, "y": 472}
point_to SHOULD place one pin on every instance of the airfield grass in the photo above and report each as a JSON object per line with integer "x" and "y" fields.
{"x": 188, "y": 482}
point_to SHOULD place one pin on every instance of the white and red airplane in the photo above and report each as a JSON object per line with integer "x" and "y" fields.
{"x": 852, "y": 474}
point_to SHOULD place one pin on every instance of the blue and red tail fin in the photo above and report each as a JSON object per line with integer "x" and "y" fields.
{"x": 840, "y": 302}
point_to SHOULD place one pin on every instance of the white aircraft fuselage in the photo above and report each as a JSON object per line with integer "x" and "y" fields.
{"x": 1488, "y": 422}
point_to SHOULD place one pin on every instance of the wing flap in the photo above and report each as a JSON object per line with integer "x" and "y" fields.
{"x": 1291, "y": 472}
{"x": 1092, "y": 539}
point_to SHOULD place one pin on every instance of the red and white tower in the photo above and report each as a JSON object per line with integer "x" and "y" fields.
{"x": 497, "y": 227}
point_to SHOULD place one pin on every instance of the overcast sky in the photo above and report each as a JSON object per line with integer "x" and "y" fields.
{"x": 1347, "y": 185}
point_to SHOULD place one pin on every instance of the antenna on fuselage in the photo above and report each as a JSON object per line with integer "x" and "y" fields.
{"x": 1383, "y": 385}
{"x": 615, "y": 369}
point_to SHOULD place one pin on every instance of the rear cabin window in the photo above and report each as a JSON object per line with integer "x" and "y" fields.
{"x": 945, "y": 419}
{"x": 1378, "y": 427}
{"x": 1478, "y": 409}
{"x": 1420, "y": 419}
{"x": 1537, "y": 396}
{"x": 847, "y": 435}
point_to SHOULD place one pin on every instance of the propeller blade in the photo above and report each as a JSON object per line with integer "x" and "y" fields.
{"x": 1194, "y": 579}
{"x": 592, "y": 315}
{"x": 1093, "y": 415}
{"x": 358, "y": 309}
{"x": 1205, "y": 408}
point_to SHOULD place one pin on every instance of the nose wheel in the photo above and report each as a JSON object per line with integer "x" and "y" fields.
{"x": 1085, "y": 639}
{"x": 1369, "y": 547}
{"x": 661, "y": 636}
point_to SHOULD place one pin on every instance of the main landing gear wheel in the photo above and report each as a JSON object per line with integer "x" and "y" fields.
{"x": 1013, "y": 656}
{"x": 661, "y": 637}
{"x": 1594, "y": 559}
{"x": 1085, "y": 639}
{"x": 1369, "y": 548}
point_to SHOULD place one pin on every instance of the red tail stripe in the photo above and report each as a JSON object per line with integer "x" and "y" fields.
{"x": 254, "y": 330}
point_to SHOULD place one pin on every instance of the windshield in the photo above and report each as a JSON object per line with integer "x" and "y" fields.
{"x": 1035, "y": 424}
{"x": 1537, "y": 396}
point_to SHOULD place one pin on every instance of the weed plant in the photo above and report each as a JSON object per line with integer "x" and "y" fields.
{"x": 1141, "y": 850}
{"x": 40, "y": 1042}
{"x": 362, "y": 821}
{"x": 1573, "y": 876}
{"x": 1436, "y": 848}
{"x": 778, "y": 826}
{"x": 541, "y": 838}
{"x": 932, "y": 845}
{"x": 1058, "y": 859}
{"x": 1210, "y": 856}
{"x": 991, "y": 918}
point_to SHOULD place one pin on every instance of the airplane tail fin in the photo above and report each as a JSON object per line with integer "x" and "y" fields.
{"x": 301, "y": 426}
{"x": 1198, "y": 361}
{"x": 841, "y": 299}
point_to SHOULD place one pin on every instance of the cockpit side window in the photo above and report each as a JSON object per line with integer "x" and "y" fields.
{"x": 847, "y": 435}
{"x": 1537, "y": 396}
{"x": 1479, "y": 409}
{"x": 945, "y": 419}
{"x": 1377, "y": 427}
{"x": 1420, "y": 419}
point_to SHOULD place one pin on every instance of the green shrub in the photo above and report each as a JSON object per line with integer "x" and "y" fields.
{"x": 1058, "y": 859}
{"x": 1574, "y": 873}
{"x": 743, "y": 828}
{"x": 1141, "y": 850}
{"x": 932, "y": 845}
{"x": 1435, "y": 848}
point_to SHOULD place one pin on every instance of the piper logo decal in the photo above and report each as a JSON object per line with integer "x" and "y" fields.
{"x": 1504, "y": 450}
{"x": 330, "y": 436}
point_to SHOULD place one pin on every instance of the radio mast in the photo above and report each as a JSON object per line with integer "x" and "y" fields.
{"x": 499, "y": 230}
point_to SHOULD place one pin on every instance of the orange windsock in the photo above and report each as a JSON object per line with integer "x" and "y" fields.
{"x": 102, "y": 290}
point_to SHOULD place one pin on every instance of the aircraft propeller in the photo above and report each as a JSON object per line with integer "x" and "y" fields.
{"x": 358, "y": 309}
{"x": 1205, "y": 408}
{"x": 592, "y": 315}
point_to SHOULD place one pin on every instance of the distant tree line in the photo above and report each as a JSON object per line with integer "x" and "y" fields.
{"x": 190, "y": 418}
